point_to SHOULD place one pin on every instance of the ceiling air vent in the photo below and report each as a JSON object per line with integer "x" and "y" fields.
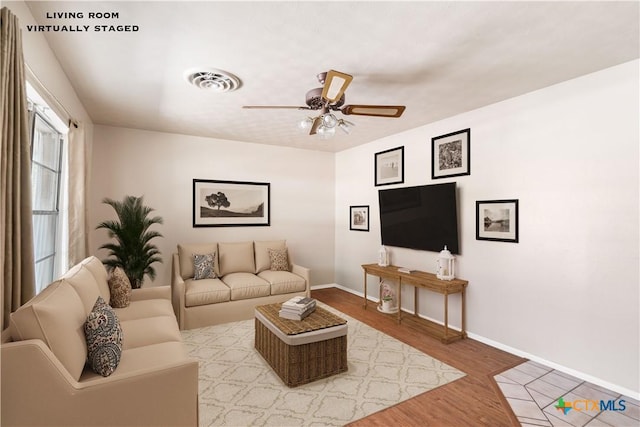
{"x": 212, "y": 79}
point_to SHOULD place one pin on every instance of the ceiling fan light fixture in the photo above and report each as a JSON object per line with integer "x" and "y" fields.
{"x": 345, "y": 126}
{"x": 329, "y": 120}
{"x": 305, "y": 124}
{"x": 326, "y": 132}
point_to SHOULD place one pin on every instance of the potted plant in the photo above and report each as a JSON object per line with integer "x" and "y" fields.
{"x": 132, "y": 250}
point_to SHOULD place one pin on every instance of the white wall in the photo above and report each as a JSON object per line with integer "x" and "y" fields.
{"x": 161, "y": 167}
{"x": 568, "y": 292}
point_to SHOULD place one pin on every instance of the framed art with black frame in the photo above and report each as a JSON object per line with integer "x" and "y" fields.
{"x": 230, "y": 203}
{"x": 497, "y": 220}
{"x": 389, "y": 167}
{"x": 450, "y": 154}
{"x": 359, "y": 218}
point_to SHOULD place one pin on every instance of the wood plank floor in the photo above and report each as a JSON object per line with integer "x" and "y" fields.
{"x": 473, "y": 400}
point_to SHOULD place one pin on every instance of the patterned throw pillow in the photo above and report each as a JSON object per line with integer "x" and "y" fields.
{"x": 104, "y": 338}
{"x": 203, "y": 266}
{"x": 279, "y": 259}
{"x": 119, "y": 288}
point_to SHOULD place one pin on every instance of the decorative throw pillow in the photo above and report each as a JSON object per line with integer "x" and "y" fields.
{"x": 203, "y": 266}
{"x": 279, "y": 259}
{"x": 104, "y": 338}
{"x": 119, "y": 288}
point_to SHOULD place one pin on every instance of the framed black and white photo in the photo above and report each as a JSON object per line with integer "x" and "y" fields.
{"x": 389, "y": 166}
{"x": 230, "y": 203}
{"x": 359, "y": 218}
{"x": 450, "y": 154}
{"x": 497, "y": 220}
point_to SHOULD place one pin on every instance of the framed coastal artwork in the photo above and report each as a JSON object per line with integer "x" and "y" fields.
{"x": 497, "y": 220}
{"x": 389, "y": 166}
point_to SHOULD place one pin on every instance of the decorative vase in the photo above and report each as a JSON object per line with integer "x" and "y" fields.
{"x": 386, "y": 305}
{"x": 383, "y": 257}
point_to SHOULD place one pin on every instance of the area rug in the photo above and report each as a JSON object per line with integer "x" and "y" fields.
{"x": 238, "y": 388}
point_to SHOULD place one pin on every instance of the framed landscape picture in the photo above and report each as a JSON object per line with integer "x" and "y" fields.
{"x": 359, "y": 218}
{"x": 497, "y": 220}
{"x": 389, "y": 166}
{"x": 450, "y": 154}
{"x": 230, "y": 203}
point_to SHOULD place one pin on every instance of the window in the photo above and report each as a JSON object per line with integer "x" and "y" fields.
{"x": 46, "y": 177}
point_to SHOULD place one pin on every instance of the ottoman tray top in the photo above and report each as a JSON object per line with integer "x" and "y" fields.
{"x": 319, "y": 325}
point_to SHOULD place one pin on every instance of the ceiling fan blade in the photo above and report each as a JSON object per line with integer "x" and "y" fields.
{"x": 374, "y": 110}
{"x": 255, "y": 107}
{"x": 335, "y": 84}
{"x": 316, "y": 124}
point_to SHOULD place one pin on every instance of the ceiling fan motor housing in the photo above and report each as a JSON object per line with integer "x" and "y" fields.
{"x": 315, "y": 102}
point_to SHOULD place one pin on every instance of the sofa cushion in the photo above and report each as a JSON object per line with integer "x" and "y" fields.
{"x": 148, "y": 331}
{"x": 145, "y": 308}
{"x": 96, "y": 267}
{"x": 203, "y": 266}
{"x": 236, "y": 257}
{"x": 283, "y": 282}
{"x": 185, "y": 256}
{"x": 119, "y": 288}
{"x": 85, "y": 284}
{"x": 246, "y": 285}
{"x": 279, "y": 259}
{"x": 206, "y": 291}
{"x": 263, "y": 262}
{"x": 144, "y": 359}
{"x": 104, "y": 338}
{"x": 55, "y": 316}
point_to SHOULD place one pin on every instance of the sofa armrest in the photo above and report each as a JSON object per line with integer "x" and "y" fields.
{"x": 304, "y": 273}
{"x": 37, "y": 390}
{"x": 152, "y": 292}
{"x": 177, "y": 290}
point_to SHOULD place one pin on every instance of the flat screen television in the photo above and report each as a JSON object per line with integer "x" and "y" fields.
{"x": 423, "y": 217}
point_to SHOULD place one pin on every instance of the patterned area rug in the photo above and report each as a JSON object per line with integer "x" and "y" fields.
{"x": 238, "y": 388}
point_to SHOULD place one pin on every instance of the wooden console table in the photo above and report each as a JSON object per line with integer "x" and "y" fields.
{"x": 429, "y": 281}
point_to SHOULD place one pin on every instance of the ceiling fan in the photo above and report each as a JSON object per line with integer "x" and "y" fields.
{"x": 330, "y": 97}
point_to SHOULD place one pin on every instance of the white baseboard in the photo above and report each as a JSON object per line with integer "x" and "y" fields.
{"x": 580, "y": 375}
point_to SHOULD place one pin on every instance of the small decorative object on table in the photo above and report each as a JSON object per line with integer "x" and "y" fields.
{"x": 446, "y": 265}
{"x": 383, "y": 256}
{"x": 388, "y": 300}
{"x": 297, "y": 308}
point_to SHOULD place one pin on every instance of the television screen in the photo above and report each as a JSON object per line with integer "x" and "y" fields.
{"x": 423, "y": 217}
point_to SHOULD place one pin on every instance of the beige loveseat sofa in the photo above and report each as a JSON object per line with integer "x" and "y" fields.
{"x": 45, "y": 377}
{"x": 244, "y": 280}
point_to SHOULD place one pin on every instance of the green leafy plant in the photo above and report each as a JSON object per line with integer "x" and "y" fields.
{"x": 132, "y": 250}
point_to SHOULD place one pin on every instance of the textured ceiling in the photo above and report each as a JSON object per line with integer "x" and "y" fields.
{"x": 437, "y": 58}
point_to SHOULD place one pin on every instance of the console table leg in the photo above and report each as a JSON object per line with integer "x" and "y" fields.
{"x": 399, "y": 300}
{"x": 464, "y": 317}
{"x": 365, "y": 290}
{"x": 446, "y": 316}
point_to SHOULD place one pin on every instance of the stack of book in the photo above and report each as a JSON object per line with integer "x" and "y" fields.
{"x": 297, "y": 308}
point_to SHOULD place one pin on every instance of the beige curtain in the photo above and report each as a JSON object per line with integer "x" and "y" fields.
{"x": 16, "y": 247}
{"x": 79, "y": 152}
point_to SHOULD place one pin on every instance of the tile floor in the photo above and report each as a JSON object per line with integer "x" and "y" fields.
{"x": 533, "y": 391}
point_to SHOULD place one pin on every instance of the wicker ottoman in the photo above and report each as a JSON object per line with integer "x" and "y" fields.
{"x": 301, "y": 351}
